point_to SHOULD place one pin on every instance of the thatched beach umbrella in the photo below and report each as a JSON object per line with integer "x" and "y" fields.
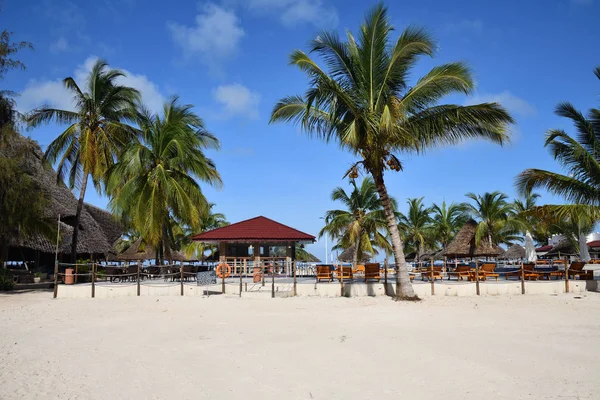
{"x": 463, "y": 244}
{"x": 514, "y": 252}
{"x": 348, "y": 254}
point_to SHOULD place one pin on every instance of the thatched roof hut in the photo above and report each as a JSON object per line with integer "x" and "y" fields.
{"x": 98, "y": 230}
{"x": 463, "y": 244}
{"x": 347, "y": 255}
{"x": 138, "y": 251}
{"x": 514, "y": 252}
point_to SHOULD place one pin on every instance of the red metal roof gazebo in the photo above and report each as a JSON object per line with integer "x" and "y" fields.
{"x": 241, "y": 238}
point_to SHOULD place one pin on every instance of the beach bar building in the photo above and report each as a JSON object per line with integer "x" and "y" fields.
{"x": 256, "y": 241}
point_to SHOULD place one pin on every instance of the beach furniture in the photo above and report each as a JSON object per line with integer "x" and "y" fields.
{"x": 372, "y": 271}
{"x": 576, "y": 269}
{"x": 324, "y": 272}
{"x": 360, "y": 269}
{"x": 427, "y": 272}
{"x": 528, "y": 273}
{"x": 344, "y": 272}
{"x": 488, "y": 271}
{"x": 460, "y": 272}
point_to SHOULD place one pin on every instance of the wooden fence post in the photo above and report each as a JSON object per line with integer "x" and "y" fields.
{"x": 477, "y": 276}
{"x": 522, "y": 278}
{"x": 93, "y": 280}
{"x": 273, "y": 279}
{"x": 181, "y": 275}
{"x": 567, "y": 278}
{"x": 55, "y": 279}
{"x": 341, "y": 270}
{"x": 241, "y": 274}
{"x": 432, "y": 281}
{"x": 294, "y": 273}
{"x": 222, "y": 283}
{"x": 138, "y": 277}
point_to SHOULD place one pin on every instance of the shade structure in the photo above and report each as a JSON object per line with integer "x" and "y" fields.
{"x": 348, "y": 254}
{"x": 141, "y": 252}
{"x": 464, "y": 244}
{"x": 98, "y": 229}
{"x": 258, "y": 229}
{"x": 584, "y": 253}
{"x": 530, "y": 253}
{"x": 514, "y": 252}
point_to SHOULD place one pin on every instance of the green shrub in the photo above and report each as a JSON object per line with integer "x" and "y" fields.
{"x": 6, "y": 281}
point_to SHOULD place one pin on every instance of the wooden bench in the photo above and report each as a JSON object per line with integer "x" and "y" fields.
{"x": 372, "y": 272}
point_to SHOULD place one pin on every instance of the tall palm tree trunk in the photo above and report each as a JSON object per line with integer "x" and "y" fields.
{"x": 404, "y": 289}
{"x": 355, "y": 254}
{"x": 78, "y": 218}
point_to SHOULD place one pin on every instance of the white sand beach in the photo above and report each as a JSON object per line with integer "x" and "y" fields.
{"x": 519, "y": 347}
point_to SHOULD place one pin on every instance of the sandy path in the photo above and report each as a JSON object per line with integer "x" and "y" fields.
{"x": 304, "y": 348}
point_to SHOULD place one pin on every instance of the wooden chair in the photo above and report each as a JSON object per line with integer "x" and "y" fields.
{"x": 461, "y": 271}
{"x": 528, "y": 273}
{"x": 426, "y": 273}
{"x": 360, "y": 269}
{"x": 488, "y": 271}
{"x": 372, "y": 272}
{"x": 346, "y": 273}
{"x": 324, "y": 272}
{"x": 576, "y": 269}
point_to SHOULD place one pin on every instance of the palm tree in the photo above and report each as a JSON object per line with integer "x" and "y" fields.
{"x": 447, "y": 220}
{"x": 496, "y": 216}
{"x": 525, "y": 210}
{"x": 364, "y": 102}
{"x": 416, "y": 227}
{"x": 579, "y": 155}
{"x": 97, "y": 132}
{"x": 361, "y": 224}
{"x": 208, "y": 221}
{"x": 154, "y": 181}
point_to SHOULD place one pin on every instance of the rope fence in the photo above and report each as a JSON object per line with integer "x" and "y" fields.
{"x": 263, "y": 272}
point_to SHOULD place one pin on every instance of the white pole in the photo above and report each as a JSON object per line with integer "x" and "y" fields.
{"x": 325, "y": 249}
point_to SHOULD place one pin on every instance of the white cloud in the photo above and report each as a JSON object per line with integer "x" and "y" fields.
{"x": 214, "y": 36}
{"x": 463, "y": 26}
{"x": 512, "y": 103}
{"x": 294, "y": 12}
{"x": 237, "y": 100}
{"x": 53, "y": 94}
{"x": 59, "y": 45}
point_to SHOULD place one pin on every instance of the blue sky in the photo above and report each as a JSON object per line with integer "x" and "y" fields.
{"x": 230, "y": 59}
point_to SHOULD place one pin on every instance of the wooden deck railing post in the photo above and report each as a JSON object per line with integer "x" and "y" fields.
{"x": 55, "y": 279}
{"x": 181, "y": 275}
{"x": 522, "y": 278}
{"x": 477, "y": 276}
{"x": 294, "y": 266}
{"x": 263, "y": 272}
{"x": 138, "y": 277}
